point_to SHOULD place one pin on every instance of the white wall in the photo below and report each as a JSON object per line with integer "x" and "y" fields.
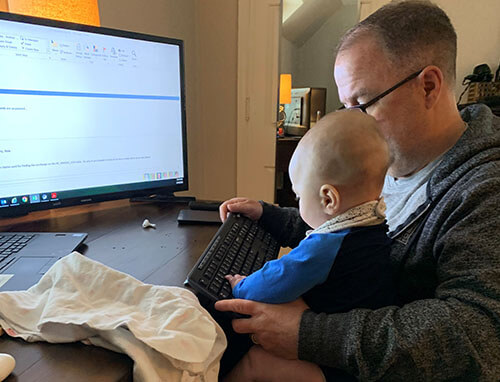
{"x": 209, "y": 31}
{"x": 477, "y": 24}
{"x": 286, "y": 56}
{"x": 478, "y": 32}
{"x": 311, "y": 64}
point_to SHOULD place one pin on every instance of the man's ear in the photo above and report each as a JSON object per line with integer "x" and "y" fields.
{"x": 433, "y": 81}
{"x": 330, "y": 199}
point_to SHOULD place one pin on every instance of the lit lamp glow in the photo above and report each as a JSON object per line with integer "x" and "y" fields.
{"x": 76, "y": 11}
{"x": 285, "y": 98}
{"x": 285, "y": 89}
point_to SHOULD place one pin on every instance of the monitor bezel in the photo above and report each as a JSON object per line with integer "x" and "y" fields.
{"x": 109, "y": 196}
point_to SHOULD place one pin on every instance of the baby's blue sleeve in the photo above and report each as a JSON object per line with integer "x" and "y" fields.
{"x": 289, "y": 277}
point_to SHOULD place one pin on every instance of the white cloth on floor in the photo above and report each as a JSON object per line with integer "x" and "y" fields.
{"x": 163, "y": 329}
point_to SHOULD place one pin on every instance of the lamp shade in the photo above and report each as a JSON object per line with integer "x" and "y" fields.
{"x": 77, "y": 11}
{"x": 285, "y": 88}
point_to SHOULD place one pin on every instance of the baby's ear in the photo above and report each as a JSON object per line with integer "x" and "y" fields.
{"x": 330, "y": 199}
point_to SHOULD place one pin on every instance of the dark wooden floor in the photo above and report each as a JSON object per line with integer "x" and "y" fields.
{"x": 116, "y": 238}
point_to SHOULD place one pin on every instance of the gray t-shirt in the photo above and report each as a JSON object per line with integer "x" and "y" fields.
{"x": 404, "y": 195}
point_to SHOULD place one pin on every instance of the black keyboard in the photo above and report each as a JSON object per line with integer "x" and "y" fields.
{"x": 10, "y": 244}
{"x": 240, "y": 246}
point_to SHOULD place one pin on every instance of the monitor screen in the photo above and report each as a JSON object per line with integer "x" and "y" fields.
{"x": 87, "y": 114}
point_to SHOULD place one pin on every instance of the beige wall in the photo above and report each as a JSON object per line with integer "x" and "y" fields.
{"x": 217, "y": 96}
{"x": 209, "y": 31}
{"x": 477, "y": 24}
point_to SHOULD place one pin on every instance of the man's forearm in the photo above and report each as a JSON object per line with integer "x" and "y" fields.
{"x": 424, "y": 340}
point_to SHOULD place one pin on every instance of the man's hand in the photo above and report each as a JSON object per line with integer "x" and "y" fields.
{"x": 274, "y": 326}
{"x": 233, "y": 280}
{"x": 245, "y": 206}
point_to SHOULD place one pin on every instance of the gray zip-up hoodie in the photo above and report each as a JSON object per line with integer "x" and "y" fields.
{"x": 447, "y": 261}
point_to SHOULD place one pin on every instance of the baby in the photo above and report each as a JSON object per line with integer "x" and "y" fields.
{"x": 337, "y": 173}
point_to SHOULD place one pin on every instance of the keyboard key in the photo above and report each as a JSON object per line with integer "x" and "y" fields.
{"x": 224, "y": 294}
{"x": 241, "y": 247}
{"x": 208, "y": 274}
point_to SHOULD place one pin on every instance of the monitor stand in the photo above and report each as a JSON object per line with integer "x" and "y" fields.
{"x": 163, "y": 198}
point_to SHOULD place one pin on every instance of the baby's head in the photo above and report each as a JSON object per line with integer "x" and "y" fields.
{"x": 340, "y": 163}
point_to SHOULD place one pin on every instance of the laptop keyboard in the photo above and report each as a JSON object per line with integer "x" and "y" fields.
{"x": 10, "y": 244}
{"x": 240, "y": 246}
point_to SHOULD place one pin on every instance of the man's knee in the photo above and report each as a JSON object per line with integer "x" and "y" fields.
{"x": 253, "y": 363}
{"x": 255, "y": 357}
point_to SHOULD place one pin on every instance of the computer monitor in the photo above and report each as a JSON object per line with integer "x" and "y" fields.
{"x": 87, "y": 114}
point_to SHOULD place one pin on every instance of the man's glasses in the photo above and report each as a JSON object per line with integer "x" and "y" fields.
{"x": 366, "y": 105}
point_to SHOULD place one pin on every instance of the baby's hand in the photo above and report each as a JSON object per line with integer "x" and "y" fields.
{"x": 233, "y": 280}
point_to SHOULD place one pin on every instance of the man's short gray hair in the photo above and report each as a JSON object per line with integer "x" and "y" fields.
{"x": 412, "y": 33}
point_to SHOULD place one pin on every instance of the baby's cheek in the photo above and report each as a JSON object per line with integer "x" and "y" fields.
{"x": 304, "y": 214}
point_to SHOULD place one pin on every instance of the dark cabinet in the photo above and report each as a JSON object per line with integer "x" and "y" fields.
{"x": 283, "y": 195}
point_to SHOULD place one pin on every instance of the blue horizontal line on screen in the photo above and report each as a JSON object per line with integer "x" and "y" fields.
{"x": 87, "y": 95}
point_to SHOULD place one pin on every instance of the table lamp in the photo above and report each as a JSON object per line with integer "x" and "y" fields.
{"x": 77, "y": 11}
{"x": 285, "y": 92}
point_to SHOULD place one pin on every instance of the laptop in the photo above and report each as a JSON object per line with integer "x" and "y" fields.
{"x": 26, "y": 256}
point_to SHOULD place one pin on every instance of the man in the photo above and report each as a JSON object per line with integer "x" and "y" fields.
{"x": 442, "y": 193}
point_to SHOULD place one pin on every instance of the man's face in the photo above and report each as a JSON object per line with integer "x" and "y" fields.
{"x": 361, "y": 73}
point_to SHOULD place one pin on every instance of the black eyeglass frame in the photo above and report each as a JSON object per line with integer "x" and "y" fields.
{"x": 366, "y": 105}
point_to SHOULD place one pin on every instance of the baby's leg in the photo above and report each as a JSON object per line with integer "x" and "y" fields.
{"x": 260, "y": 366}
